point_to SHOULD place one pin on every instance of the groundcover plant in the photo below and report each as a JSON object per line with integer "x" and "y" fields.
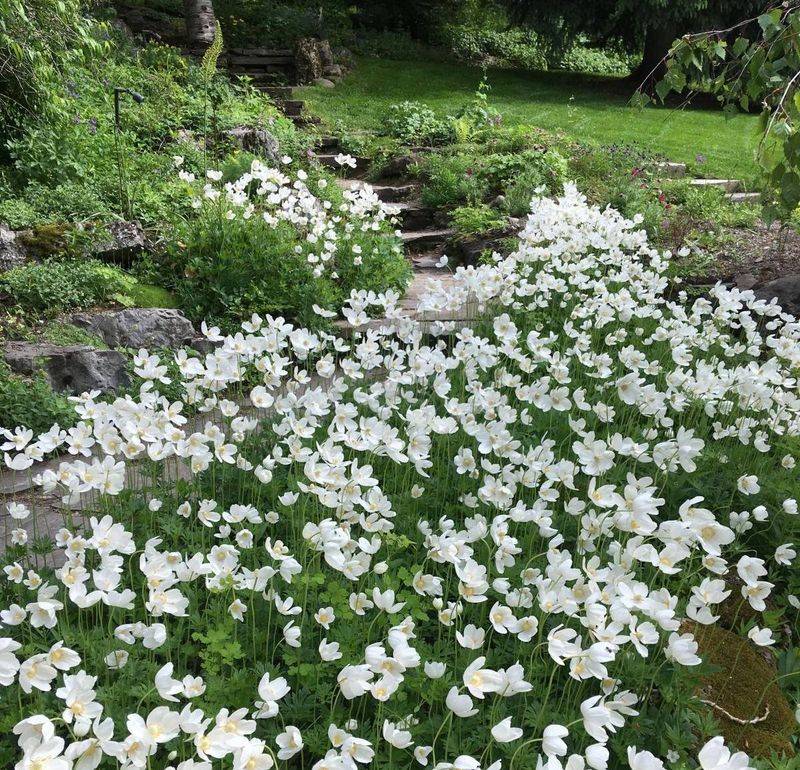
{"x": 492, "y": 548}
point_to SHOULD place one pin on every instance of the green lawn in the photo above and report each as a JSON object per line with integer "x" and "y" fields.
{"x": 584, "y": 106}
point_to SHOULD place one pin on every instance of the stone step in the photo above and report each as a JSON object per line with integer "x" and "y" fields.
{"x": 744, "y": 197}
{"x": 259, "y": 79}
{"x": 427, "y": 260}
{"x": 250, "y": 60}
{"x": 281, "y": 53}
{"x": 729, "y": 185}
{"x": 305, "y": 120}
{"x": 268, "y": 73}
{"x": 671, "y": 170}
{"x": 413, "y": 215}
{"x": 259, "y": 67}
{"x": 327, "y": 143}
{"x": 421, "y": 240}
{"x": 394, "y": 193}
{"x": 292, "y": 107}
{"x": 277, "y": 93}
{"x": 429, "y": 320}
{"x": 388, "y": 193}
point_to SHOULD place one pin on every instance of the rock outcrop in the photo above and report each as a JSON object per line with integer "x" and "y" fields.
{"x": 785, "y": 289}
{"x": 138, "y": 327}
{"x": 12, "y": 252}
{"x": 69, "y": 368}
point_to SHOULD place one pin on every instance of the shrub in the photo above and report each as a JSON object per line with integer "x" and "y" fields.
{"x": 469, "y": 220}
{"x": 416, "y": 123}
{"x": 31, "y": 402}
{"x": 385, "y": 44}
{"x": 548, "y": 168}
{"x": 709, "y": 205}
{"x": 514, "y": 48}
{"x": 509, "y": 546}
{"x": 248, "y": 253}
{"x": 477, "y": 120}
{"x": 450, "y": 180}
{"x": 73, "y": 166}
{"x": 17, "y": 214}
{"x": 521, "y": 190}
{"x": 596, "y": 61}
{"x": 40, "y": 41}
{"x": 473, "y": 177}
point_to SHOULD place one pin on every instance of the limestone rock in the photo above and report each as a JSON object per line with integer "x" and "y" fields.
{"x": 468, "y": 249}
{"x": 344, "y": 58}
{"x": 785, "y": 289}
{"x": 307, "y": 60}
{"x": 256, "y": 140}
{"x": 138, "y": 327}
{"x": 333, "y": 72}
{"x": 120, "y": 244}
{"x": 12, "y": 252}
{"x": 325, "y": 54}
{"x": 69, "y": 368}
{"x": 324, "y": 82}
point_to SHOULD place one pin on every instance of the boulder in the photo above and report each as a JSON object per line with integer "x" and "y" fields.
{"x": 740, "y": 691}
{"x": 325, "y": 54}
{"x": 138, "y": 327}
{"x": 307, "y": 60}
{"x": 69, "y": 368}
{"x": 344, "y": 58}
{"x": 120, "y": 243}
{"x": 12, "y": 252}
{"x": 785, "y": 289}
{"x": 256, "y": 140}
{"x": 745, "y": 280}
{"x": 324, "y": 82}
{"x": 468, "y": 250}
{"x": 333, "y": 72}
{"x": 400, "y": 165}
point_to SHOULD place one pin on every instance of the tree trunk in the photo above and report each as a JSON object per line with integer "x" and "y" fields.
{"x": 200, "y": 24}
{"x": 657, "y": 42}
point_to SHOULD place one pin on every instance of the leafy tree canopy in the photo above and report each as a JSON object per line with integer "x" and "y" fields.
{"x": 651, "y": 25}
{"x": 752, "y": 64}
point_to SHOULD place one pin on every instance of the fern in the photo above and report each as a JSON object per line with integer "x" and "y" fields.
{"x": 208, "y": 65}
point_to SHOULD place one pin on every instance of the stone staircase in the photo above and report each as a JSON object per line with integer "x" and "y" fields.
{"x": 423, "y": 233}
{"x": 273, "y": 72}
{"x": 732, "y": 187}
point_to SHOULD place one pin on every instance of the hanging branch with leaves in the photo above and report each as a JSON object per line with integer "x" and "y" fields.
{"x": 752, "y": 64}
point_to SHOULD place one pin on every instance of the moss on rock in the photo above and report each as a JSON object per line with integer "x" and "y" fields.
{"x": 744, "y": 686}
{"x": 47, "y": 240}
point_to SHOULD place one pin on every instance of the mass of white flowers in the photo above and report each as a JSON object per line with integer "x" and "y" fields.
{"x": 280, "y": 195}
{"x": 471, "y": 546}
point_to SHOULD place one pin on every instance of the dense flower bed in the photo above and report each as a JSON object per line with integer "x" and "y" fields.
{"x": 479, "y": 551}
{"x": 281, "y": 240}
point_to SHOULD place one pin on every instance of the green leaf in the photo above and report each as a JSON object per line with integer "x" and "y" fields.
{"x": 663, "y": 87}
{"x": 740, "y": 46}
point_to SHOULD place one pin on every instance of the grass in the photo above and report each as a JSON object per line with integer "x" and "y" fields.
{"x": 584, "y": 106}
